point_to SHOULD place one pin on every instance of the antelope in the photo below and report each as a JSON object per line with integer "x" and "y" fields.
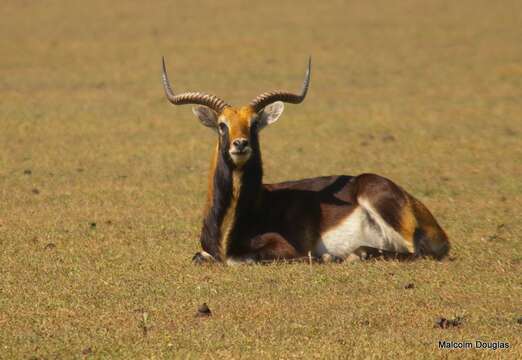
{"x": 329, "y": 217}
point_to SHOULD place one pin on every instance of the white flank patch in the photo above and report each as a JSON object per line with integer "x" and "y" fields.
{"x": 363, "y": 227}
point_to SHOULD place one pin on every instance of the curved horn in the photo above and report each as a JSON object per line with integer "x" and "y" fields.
{"x": 211, "y": 101}
{"x": 269, "y": 97}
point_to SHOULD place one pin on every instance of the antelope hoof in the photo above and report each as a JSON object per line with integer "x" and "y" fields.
{"x": 355, "y": 257}
{"x": 327, "y": 259}
{"x": 202, "y": 257}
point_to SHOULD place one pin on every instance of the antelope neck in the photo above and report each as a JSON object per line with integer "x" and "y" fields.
{"x": 232, "y": 193}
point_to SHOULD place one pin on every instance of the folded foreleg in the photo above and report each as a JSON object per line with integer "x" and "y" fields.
{"x": 272, "y": 246}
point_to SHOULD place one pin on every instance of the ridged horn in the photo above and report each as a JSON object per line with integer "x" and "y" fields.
{"x": 199, "y": 98}
{"x": 270, "y": 97}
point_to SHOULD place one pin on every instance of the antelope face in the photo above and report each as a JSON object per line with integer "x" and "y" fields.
{"x": 238, "y": 127}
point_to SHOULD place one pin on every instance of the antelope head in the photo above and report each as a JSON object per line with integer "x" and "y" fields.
{"x": 237, "y": 127}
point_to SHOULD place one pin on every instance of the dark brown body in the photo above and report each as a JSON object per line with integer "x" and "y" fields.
{"x": 333, "y": 215}
{"x": 324, "y": 204}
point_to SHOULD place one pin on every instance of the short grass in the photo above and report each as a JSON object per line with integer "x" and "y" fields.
{"x": 102, "y": 183}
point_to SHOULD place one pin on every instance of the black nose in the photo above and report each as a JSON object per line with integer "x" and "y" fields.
{"x": 240, "y": 144}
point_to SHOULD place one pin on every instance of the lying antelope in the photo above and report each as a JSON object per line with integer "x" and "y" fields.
{"x": 330, "y": 217}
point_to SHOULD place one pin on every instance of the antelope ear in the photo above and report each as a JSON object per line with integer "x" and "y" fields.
{"x": 270, "y": 114}
{"x": 206, "y": 116}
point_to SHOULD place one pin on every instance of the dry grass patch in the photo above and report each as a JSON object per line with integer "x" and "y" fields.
{"x": 103, "y": 183}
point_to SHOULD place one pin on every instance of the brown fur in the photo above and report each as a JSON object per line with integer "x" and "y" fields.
{"x": 238, "y": 121}
{"x": 407, "y": 215}
{"x": 286, "y": 221}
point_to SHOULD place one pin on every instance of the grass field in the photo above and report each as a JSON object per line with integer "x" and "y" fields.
{"x": 102, "y": 182}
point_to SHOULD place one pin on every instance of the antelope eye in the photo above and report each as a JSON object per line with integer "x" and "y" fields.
{"x": 222, "y": 127}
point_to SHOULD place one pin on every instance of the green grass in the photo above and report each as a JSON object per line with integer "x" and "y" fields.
{"x": 427, "y": 94}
